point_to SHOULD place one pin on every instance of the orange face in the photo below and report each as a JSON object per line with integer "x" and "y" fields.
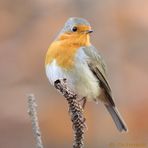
{"x": 78, "y": 35}
{"x": 79, "y": 29}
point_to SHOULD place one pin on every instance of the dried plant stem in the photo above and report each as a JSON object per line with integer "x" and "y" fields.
{"x": 76, "y": 113}
{"x": 34, "y": 119}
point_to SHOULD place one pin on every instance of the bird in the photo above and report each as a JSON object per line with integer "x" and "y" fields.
{"x": 71, "y": 56}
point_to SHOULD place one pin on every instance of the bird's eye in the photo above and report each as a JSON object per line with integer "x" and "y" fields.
{"x": 74, "y": 29}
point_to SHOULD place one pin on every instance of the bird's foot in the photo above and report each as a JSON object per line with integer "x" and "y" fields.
{"x": 83, "y": 100}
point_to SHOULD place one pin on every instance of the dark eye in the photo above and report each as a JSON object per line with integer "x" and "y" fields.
{"x": 74, "y": 29}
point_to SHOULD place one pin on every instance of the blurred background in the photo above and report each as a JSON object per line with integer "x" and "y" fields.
{"x": 27, "y": 27}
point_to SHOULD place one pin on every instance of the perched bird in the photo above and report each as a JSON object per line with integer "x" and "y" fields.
{"x": 71, "y": 56}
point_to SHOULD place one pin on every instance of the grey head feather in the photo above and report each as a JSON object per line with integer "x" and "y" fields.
{"x": 73, "y": 21}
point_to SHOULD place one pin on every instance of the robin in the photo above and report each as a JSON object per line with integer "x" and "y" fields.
{"x": 71, "y": 56}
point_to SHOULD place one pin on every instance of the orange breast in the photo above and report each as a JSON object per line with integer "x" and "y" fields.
{"x": 64, "y": 50}
{"x": 64, "y": 55}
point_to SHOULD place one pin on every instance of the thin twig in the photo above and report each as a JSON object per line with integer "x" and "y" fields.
{"x": 34, "y": 119}
{"x": 76, "y": 113}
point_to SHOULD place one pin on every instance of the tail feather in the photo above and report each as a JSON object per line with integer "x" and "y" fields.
{"x": 117, "y": 118}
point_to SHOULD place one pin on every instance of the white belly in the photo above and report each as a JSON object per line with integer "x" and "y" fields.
{"x": 80, "y": 79}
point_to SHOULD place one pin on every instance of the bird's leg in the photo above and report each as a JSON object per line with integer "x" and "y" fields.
{"x": 84, "y": 102}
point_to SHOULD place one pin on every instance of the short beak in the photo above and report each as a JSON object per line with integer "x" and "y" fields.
{"x": 89, "y": 31}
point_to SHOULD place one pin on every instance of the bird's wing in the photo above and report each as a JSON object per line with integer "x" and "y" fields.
{"x": 98, "y": 68}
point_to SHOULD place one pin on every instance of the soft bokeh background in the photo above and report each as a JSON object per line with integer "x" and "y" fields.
{"x": 27, "y": 27}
